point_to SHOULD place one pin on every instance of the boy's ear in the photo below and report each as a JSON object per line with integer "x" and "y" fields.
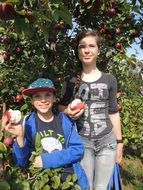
{"x": 99, "y": 52}
{"x": 54, "y": 99}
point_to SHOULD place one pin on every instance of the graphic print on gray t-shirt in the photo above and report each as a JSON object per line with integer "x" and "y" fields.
{"x": 95, "y": 121}
{"x": 100, "y": 98}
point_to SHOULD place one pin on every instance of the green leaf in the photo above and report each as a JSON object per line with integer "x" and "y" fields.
{"x": 65, "y": 185}
{"x": 68, "y": 178}
{"x": 74, "y": 177}
{"x": 3, "y": 148}
{"x": 56, "y": 180}
{"x": 4, "y": 185}
{"x": 37, "y": 142}
{"x": 77, "y": 187}
{"x": 2, "y": 29}
{"x": 46, "y": 187}
{"x": 24, "y": 107}
{"x": 56, "y": 15}
{"x": 65, "y": 15}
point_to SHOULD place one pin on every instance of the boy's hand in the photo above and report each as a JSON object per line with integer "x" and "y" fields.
{"x": 38, "y": 162}
{"x": 15, "y": 129}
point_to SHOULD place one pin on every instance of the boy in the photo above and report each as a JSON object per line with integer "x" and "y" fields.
{"x": 62, "y": 146}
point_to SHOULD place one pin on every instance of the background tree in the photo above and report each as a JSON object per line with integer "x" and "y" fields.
{"x": 37, "y": 39}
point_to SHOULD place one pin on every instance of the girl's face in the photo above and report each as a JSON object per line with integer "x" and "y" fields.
{"x": 43, "y": 101}
{"x": 88, "y": 50}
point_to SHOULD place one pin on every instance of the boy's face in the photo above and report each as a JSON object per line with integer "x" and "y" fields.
{"x": 43, "y": 101}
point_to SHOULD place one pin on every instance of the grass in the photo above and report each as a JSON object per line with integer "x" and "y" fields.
{"x": 132, "y": 173}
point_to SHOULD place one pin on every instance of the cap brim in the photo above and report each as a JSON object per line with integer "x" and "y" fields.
{"x": 31, "y": 91}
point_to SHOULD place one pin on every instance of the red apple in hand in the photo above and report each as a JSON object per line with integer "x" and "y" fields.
{"x": 76, "y": 104}
{"x": 8, "y": 115}
{"x": 13, "y": 116}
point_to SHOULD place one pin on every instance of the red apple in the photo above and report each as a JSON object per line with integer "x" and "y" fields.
{"x": 18, "y": 98}
{"x": 18, "y": 50}
{"x": 117, "y": 31}
{"x": 6, "y": 56}
{"x": 7, "y": 11}
{"x": 112, "y": 11}
{"x": 76, "y": 104}
{"x": 8, "y": 115}
{"x": 118, "y": 45}
{"x": 8, "y": 141}
{"x": 103, "y": 30}
{"x": 5, "y": 39}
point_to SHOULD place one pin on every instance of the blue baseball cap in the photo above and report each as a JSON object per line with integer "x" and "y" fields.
{"x": 39, "y": 85}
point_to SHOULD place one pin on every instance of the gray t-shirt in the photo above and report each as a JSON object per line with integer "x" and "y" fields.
{"x": 100, "y": 99}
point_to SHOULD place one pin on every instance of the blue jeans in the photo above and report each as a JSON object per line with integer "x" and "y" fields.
{"x": 98, "y": 161}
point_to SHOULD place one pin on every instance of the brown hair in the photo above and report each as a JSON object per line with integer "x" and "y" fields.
{"x": 79, "y": 37}
{"x": 86, "y": 33}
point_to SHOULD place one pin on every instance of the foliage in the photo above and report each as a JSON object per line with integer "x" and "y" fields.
{"x": 38, "y": 40}
{"x": 31, "y": 178}
{"x": 132, "y": 173}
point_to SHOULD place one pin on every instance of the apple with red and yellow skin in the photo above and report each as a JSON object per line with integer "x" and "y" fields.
{"x": 77, "y": 104}
{"x": 8, "y": 141}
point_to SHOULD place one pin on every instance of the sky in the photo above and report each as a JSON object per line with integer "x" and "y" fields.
{"x": 135, "y": 50}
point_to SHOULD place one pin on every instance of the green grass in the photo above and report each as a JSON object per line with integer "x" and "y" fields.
{"x": 132, "y": 173}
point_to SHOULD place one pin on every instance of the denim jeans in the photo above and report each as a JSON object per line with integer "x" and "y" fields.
{"x": 98, "y": 161}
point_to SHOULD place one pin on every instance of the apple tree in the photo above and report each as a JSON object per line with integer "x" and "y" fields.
{"x": 37, "y": 39}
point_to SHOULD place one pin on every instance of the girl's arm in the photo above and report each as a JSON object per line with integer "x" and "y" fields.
{"x": 115, "y": 120}
{"x": 72, "y": 114}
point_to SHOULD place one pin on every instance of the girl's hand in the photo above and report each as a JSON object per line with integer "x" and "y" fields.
{"x": 38, "y": 162}
{"x": 119, "y": 153}
{"x": 74, "y": 114}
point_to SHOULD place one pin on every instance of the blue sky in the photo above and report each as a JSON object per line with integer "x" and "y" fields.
{"x": 135, "y": 47}
{"x": 136, "y": 50}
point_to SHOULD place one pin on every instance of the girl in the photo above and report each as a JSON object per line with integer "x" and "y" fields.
{"x": 99, "y": 122}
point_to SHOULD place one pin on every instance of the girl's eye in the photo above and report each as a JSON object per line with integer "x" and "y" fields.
{"x": 87, "y": 46}
{"x": 92, "y": 46}
{"x": 81, "y": 46}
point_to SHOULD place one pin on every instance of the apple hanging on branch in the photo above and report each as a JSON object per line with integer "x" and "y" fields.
{"x": 7, "y": 11}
